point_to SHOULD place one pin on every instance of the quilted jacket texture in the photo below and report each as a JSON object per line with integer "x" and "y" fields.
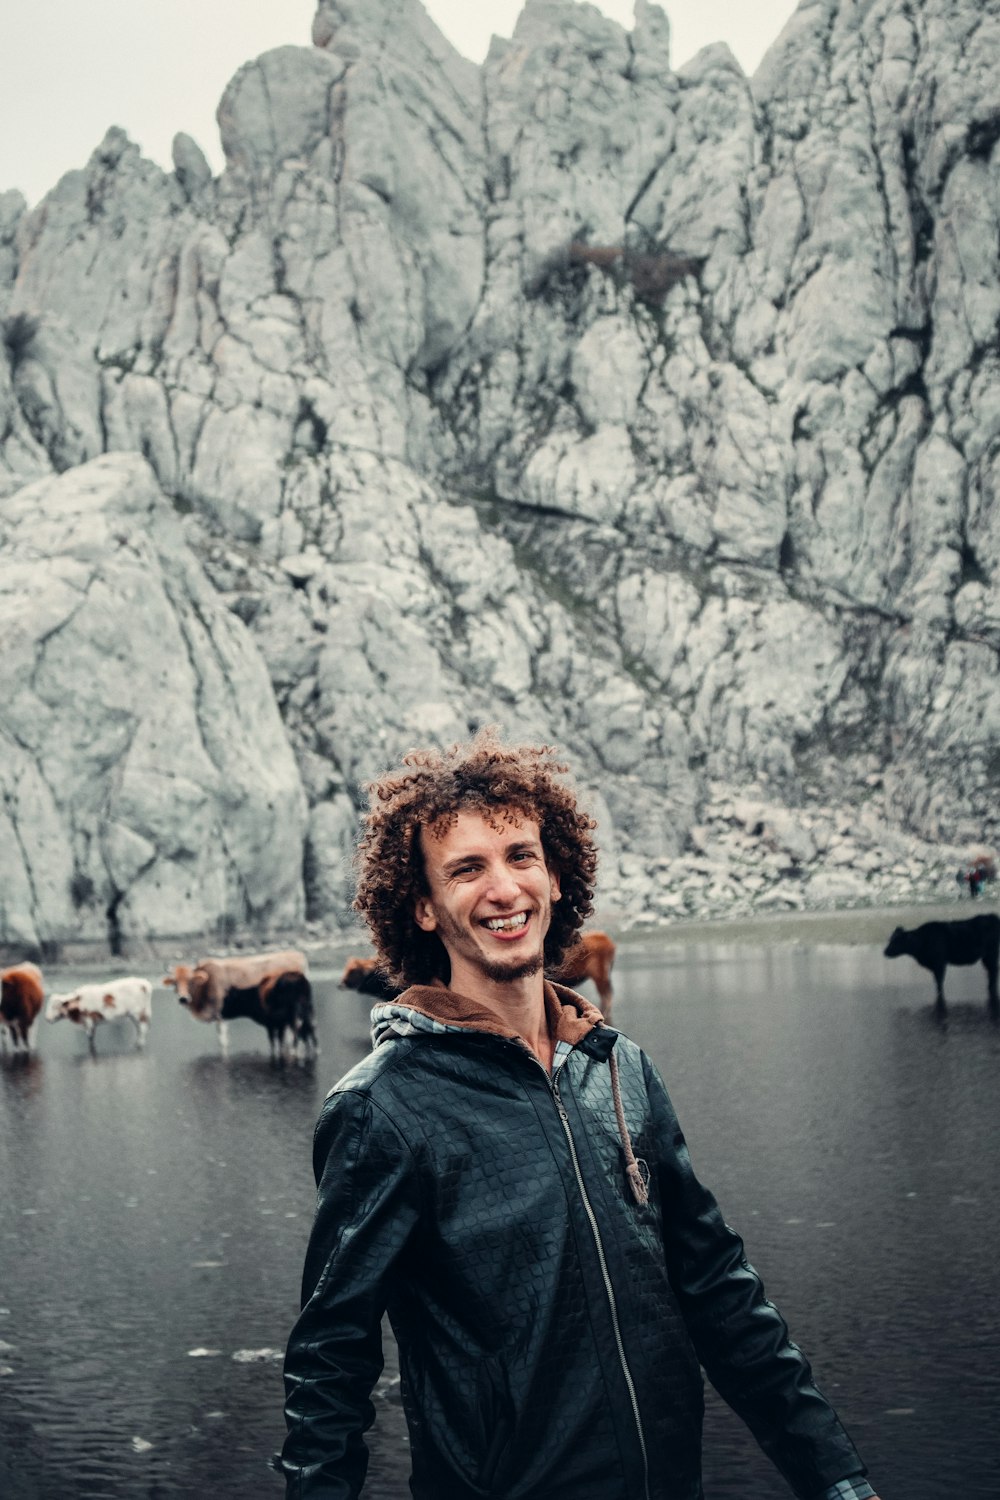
{"x": 550, "y": 1328}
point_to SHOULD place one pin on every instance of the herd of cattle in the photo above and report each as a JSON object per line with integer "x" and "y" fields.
{"x": 273, "y": 989}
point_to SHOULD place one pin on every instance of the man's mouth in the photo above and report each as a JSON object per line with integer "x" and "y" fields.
{"x": 507, "y": 924}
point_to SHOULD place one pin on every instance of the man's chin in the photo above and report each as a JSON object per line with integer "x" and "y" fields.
{"x": 512, "y": 969}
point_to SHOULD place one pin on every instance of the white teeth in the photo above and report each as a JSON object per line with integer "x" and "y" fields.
{"x": 507, "y": 924}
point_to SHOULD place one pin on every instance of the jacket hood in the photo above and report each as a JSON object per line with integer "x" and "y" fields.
{"x": 570, "y": 1017}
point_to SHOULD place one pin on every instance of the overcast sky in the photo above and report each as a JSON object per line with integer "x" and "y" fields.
{"x": 71, "y": 68}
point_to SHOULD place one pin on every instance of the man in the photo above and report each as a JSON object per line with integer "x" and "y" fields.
{"x": 505, "y": 1175}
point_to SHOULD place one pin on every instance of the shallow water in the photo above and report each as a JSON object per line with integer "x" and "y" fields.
{"x": 155, "y": 1209}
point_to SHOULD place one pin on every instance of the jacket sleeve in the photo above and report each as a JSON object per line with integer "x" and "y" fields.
{"x": 740, "y": 1337}
{"x": 366, "y": 1208}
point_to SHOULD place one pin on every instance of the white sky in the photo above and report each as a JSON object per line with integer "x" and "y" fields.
{"x": 71, "y": 68}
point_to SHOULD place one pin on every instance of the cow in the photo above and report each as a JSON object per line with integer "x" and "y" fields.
{"x": 365, "y": 975}
{"x": 204, "y": 989}
{"x": 283, "y": 1004}
{"x": 590, "y": 958}
{"x": 113, "y": 1000}
{"x": 935, "y": 945}
{"x": 22, "y": 992}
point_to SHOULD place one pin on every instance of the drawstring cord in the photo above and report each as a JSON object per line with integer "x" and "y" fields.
{"x": 636, "y": 1171}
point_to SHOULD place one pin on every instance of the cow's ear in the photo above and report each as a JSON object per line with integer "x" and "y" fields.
{"x": 169, "y": 983}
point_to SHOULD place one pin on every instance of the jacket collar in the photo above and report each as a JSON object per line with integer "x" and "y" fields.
{"x": 434, "y": 1007}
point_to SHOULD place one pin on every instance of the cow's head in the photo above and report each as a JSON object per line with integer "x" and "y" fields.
{"x": 179, "y": 979}
{"x": 356, "y": 971}
{"x": 190, "y": 985}
{"x": 895, "y": 947}
{"x": 59, "y": 1006}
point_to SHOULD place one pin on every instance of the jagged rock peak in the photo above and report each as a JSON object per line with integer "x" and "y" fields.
{"x": 402, "y": 28}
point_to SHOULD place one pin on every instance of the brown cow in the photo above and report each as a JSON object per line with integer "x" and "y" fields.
{"x": 590, "y": 958}
{"x": 203, "y": 988}
{"x": 22, "y": 992}
{"x": 364, "y": 974}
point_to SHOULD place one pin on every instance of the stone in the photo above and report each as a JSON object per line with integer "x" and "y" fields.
{"x": 651, "y": 414}
{"x": 149, "y": 785}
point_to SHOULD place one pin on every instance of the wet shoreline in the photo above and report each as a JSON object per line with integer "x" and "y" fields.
{"x": 839, "y": 926}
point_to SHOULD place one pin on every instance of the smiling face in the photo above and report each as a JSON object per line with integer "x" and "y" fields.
{"x": 489, "y": 898}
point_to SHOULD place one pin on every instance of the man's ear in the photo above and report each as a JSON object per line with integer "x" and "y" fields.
{"x": 555, "y": 890}
{"x": 423, "y": 913}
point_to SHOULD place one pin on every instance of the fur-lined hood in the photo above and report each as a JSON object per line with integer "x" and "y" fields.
{"x": 570, "y": 1017}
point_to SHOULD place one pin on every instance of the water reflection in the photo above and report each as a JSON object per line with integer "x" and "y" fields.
{"x": 156, "y": 1206}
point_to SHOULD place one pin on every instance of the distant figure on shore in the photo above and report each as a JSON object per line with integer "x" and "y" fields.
{"x": 980, "y": 869}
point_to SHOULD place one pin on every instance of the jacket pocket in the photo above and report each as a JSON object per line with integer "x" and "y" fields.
{"x": 496, "y": 1424}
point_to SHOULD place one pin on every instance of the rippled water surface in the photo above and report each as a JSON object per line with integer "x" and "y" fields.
{"x": 155, "y": 1209}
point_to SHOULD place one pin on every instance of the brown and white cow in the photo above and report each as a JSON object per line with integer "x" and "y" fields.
{"x": 114, "y": 1000}
{"x": 590, "y": 958}
{"x": 223, "y": 989}
{"x": 22, "y": 992}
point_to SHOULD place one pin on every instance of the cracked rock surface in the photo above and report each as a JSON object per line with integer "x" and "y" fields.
{"x": 653, "y": 413}
{"x": 147, "y": 783}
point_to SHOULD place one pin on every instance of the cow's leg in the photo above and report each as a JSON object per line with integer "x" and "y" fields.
{"x": 90, "y": 1027}
{"x": 939, "y": 971}
{"x": 310, "y": 1041}
{"x": 222, "y": 1028}
{"x": 141, "y": 1026}
{"x": 990, "y": 965}
{"x": 607, "y": 997}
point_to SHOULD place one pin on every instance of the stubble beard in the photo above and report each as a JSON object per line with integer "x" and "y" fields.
{"x": 508, "y": 973}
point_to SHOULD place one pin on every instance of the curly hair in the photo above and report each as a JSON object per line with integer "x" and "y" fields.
{"x": 500, "y": 782}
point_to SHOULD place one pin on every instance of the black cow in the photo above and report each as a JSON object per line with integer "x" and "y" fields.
{"x": 935, "y": 945}
{"x": 282, "y": 1003}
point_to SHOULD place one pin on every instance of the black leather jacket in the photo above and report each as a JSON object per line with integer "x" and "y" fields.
{"x": 550, "y": 1328}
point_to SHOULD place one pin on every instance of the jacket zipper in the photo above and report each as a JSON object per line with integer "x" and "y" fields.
{"x": 608, "y": 1287}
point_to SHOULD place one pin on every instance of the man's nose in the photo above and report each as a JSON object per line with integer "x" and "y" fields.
{"x": 502, "y": 887}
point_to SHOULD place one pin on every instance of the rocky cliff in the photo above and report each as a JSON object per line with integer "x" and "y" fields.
{"x": 655, "y": 413}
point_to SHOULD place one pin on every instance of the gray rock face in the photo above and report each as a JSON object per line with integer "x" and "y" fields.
{"x": 148, "y": 787}
{"x": 652, "y": 413}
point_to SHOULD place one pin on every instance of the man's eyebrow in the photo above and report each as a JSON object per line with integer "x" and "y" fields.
{"x": 475, "y": 856}
{"x": 460, "y": 859}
